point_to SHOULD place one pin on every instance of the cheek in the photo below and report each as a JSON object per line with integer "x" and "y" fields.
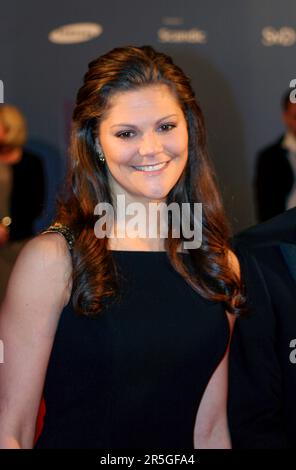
{"x": 119, "y": 153}
{"x": 179, "y": 145}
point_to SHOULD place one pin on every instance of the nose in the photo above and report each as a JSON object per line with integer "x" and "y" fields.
{"x": 150, "y": 144}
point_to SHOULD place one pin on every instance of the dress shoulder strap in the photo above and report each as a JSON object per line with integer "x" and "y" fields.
{"x": 63, "y": 230}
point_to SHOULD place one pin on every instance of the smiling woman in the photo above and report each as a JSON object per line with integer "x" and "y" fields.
{"x": 147, "y": 156}
{"x": 126, "y": 337}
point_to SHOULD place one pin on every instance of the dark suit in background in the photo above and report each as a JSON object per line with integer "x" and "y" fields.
{"x": 262, "y": 379}
{"x": 274, "y": 179}
{"x": 27, "y": 196}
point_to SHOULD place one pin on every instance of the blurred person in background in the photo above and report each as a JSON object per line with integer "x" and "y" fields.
{"x": 275, "y": 174}
{"x": 21, "y": 189}
{"x": 262, "y": 371}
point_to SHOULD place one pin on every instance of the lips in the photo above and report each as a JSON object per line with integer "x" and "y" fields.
{"x": 151, "y": 168}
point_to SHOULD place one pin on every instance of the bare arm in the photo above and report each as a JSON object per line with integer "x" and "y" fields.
{"x": 211, "y": 425}
{"x": 38, "y": 289}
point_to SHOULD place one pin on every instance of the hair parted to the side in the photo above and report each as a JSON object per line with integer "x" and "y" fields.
{"x": 94, "y": 271}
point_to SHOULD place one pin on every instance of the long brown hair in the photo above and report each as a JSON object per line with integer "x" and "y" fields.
{"x": 206, "y": 269}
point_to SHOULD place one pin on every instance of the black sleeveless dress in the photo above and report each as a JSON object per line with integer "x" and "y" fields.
{"x": 133, "y": 376}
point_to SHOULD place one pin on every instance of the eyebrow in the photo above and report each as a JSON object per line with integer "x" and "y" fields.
{"x": 132, "y": 125}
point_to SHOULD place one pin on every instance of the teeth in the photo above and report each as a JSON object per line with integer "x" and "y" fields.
{"x": 151, "y": 167}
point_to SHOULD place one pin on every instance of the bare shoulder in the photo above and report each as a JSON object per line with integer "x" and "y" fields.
{"x": 47, "y": 254}
{"x": 43, "y": 264}
{"x": 48, "y": 248}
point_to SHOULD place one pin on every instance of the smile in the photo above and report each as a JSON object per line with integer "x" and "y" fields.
{"x": 151, "y": 168}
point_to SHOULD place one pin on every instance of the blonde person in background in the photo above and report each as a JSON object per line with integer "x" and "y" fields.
{"x": 21, "y": 189}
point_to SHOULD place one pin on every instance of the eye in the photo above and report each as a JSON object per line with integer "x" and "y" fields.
{"x": 124, "y": 135}
{"x": 127, "y": 134}
{"x": 167, "y": 127}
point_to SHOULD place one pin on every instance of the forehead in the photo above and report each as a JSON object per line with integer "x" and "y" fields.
{"x": 150, "y": 99}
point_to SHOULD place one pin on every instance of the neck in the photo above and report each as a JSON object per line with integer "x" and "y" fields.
{"x": 144, "y": 221}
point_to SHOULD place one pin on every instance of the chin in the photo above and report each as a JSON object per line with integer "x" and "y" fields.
{"x": 161, "y": 195}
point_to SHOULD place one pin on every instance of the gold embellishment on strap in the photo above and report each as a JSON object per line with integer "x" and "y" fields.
{"x": 64, "y": 230}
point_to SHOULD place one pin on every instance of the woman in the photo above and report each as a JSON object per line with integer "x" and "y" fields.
{"x": 129, "y": 333}
{"x": 21, "y": 189}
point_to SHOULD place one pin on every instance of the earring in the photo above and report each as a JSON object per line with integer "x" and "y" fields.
{"x": 99, "y": 152}
{"x": 101, "y": 157}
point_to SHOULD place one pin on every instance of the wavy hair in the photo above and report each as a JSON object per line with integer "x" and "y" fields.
{"x": 207, "y": 269}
